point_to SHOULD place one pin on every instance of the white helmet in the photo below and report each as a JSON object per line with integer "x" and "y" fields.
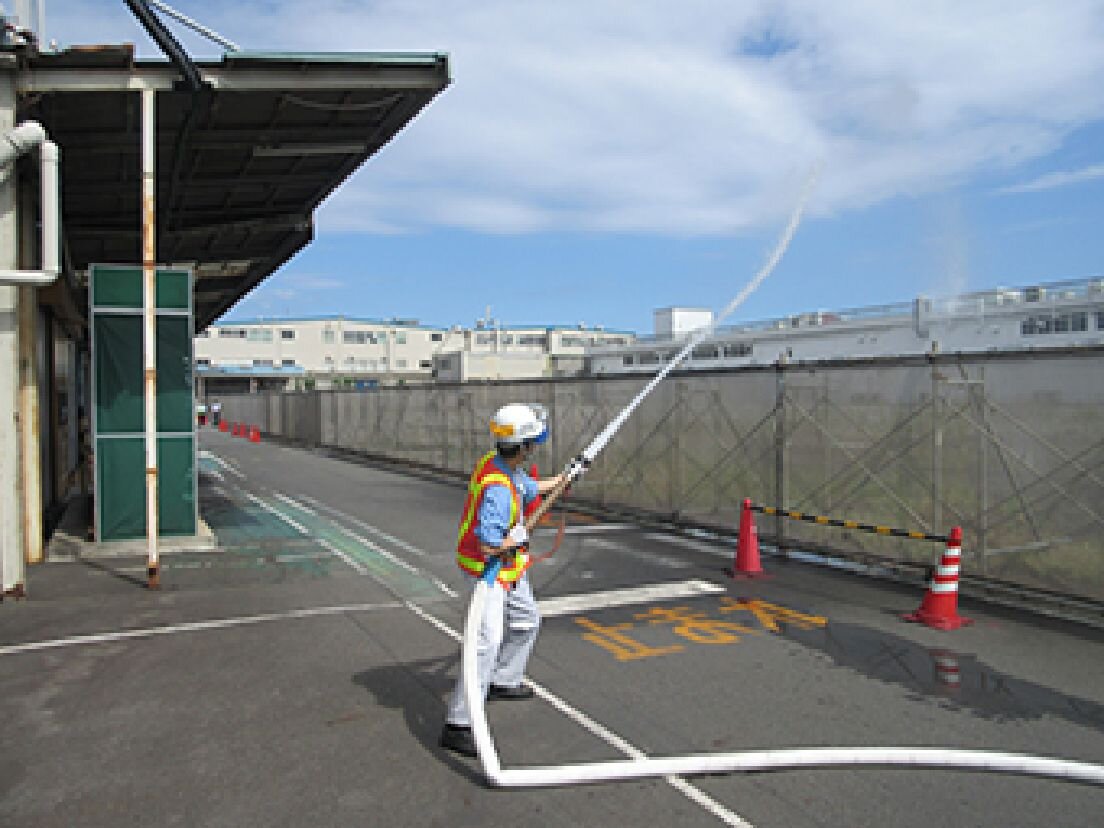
{"x": 519, "y": 423}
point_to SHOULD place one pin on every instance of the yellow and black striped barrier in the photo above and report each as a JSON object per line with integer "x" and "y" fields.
{"x": 848, "y": 524}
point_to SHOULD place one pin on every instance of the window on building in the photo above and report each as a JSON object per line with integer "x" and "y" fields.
{"x": 649, "y": 358}
{"x": 262, "y": 363}
{"x": 425, "y": 363}
{"x": 627, "y": 359}
{"x": 1058, "y": 323}
{"x": 259, "y": 335}
{"x": 231, "y": 333}
{"x": 287, "y": 363}
{"x": 706, "y": 352}
{"x": 328, "y": 337}
{"x": 507, "y": 339}
{"x": 484, "y": 339}
{"x": 436, "y": 337}
{"x": 400, "y": 337}
{"x": 206, "y": 332}
{"x": 203, "y": 363}
{"x": 533, "y": 339}
{"x": 287, "y": 333}
{"x": 737, "y": 349}
{"x": 1100, "y": 320}
{"x": 446, "y": 364}
{"x": 400, "y": 363}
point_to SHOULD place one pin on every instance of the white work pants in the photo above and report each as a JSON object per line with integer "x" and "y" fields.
{"x": 506, "y": 637}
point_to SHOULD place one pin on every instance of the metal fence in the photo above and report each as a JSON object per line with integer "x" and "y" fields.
{"x": 1009, "y": 446}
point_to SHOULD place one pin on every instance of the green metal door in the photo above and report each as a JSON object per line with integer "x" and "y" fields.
{"x": 115, "y": 294}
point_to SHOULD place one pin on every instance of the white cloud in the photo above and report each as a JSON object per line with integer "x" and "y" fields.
{"x": 687, "y": 118}
{"x": 1053, "y": 180}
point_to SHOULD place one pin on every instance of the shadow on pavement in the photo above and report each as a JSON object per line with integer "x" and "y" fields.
{"x": 419, "y": 689}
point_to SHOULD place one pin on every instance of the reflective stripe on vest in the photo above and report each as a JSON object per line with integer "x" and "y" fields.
{"x": 469, "y": 552}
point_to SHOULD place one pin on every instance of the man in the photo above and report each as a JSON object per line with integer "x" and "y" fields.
{"x": 492, "y": 527}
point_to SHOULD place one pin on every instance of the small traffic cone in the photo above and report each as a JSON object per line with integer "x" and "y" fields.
{"x": 747, "y": 564}
{"x": 939, "y": 609}
{"x": 254, "y": 434}
{"x": 224, "y": 426}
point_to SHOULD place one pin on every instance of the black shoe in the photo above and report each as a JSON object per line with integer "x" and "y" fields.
{"x": 458, "y": 738}
{"x": 522, "y": 691}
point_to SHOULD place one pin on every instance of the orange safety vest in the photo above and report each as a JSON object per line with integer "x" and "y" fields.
{"x": 469, "y": 554}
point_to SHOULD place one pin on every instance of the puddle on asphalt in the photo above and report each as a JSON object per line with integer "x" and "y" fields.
{"x": 957, "y": 679}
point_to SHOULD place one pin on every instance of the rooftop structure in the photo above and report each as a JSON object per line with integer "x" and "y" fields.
{"x": 1068, "y": 313}
{"x": 339, "y": 351}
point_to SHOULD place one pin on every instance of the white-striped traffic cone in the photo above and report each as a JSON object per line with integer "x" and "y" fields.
{"x": 939, "y": 608}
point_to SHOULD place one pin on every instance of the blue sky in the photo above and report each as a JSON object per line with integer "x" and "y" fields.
{"x": 594, "y": 161}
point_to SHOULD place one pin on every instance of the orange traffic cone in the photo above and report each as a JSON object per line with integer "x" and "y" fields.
{"x": 939, "y": 608}
{"x": 747, "y": 564}
{"x": 254, "y": 434}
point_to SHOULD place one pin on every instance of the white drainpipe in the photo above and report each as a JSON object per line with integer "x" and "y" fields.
{"x": 13, "y": 144}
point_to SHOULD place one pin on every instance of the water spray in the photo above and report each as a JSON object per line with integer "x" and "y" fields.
{"x": 577, "y": 466}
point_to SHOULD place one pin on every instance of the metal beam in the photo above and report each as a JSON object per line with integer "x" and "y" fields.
{"x": 431, "y": 78}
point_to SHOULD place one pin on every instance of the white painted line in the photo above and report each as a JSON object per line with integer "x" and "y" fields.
{"x": 353, "y": 564}
{"x": 226, "y": 465}
{"x": 348, "y": 559}
{"x": 588, "y": 529}
{"x": 379, "y": 550}
{"x": 367, "y": 527}
{"x": 571, "y": 604}
{"x": 379, "y": 533}
{"x": 639, "y": 554}
{"x": 290, "y": 501}
{"x": 445, "y": 588}
{"x": 195, "y": 626}
{"x": 298, "y": 527}
{"x": 695, "y": 795}
{"x": 716, "y": 549}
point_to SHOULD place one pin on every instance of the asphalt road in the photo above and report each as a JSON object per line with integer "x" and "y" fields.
{"x": 297, "y": 675}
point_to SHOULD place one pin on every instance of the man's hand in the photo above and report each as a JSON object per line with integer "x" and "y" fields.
{"x": 519, "y": 535}
{"x": 576, "y": 468}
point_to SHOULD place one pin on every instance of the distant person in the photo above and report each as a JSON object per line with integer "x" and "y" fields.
{"x": 216, "y": 413}
{"x": 491, "y": 527}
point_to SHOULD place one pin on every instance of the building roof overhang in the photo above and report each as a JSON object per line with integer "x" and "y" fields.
{"x": 241, "y": 165}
